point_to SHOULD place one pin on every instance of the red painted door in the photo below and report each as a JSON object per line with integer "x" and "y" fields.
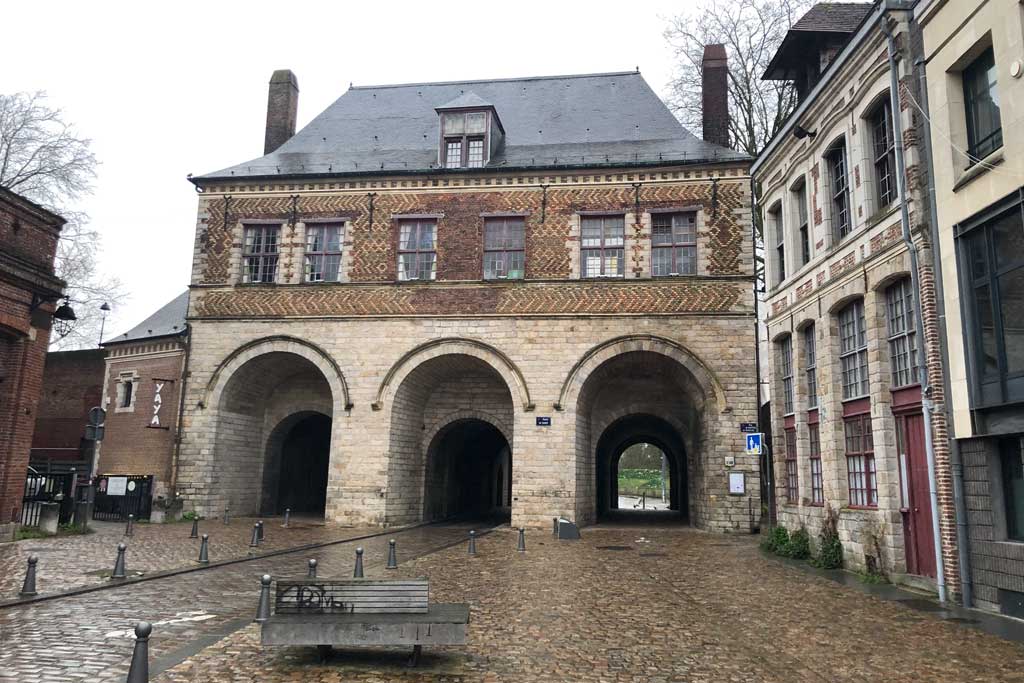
{"x": 918, "y": 518}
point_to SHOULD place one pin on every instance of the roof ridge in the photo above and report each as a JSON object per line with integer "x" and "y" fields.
{"x": 496, "y": 80}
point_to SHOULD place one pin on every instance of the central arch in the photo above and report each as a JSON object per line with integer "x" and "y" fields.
{"x": 468, "y": 471}
{"x": 439, "y": 408}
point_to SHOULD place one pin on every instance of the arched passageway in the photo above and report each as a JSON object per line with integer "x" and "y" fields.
{"x": 451, "y": 418}
{"x": 639, "y": 396}
{"x": 469, "y": 472}
{"x": 273, "y": 435}
{"x": 624, "y": 434}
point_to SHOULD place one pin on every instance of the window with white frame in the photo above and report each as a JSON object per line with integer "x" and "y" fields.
{"x": 602, "y": 246}
{"x": 811, "y": 365}
{"x": 803, "y": 229}
{"x": 778, "y": 233}
{"x": 786, "y": 368}
{"x": 839, "y": 189}
{"x": 853, "y": 350}
{"x": 899, "y": 304}
{"x": 883, "y": 143}
{"x": 125, "y": 391}
{"x": 673, "y": 244}
{"x": 417, "y": 249}
{"x": 323, "y": 251}
{"x": 260, "y": 252}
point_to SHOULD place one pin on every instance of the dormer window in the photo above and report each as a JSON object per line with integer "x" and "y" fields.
{"x": 470, "y": 132}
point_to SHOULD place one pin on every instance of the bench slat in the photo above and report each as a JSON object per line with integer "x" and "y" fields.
{"x": 347, "y": 596}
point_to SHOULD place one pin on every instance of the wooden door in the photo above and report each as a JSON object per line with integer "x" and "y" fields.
{"x": 920, "y": 546}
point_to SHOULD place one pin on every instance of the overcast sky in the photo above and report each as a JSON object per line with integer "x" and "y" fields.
{"x": 169, "y": 89}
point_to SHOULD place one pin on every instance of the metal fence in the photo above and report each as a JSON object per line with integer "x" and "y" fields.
{"x": 43, "y": 488}
{"x": 117, "y": 497}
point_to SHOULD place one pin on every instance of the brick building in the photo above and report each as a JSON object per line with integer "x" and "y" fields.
{"x": 72, "y": 384}
{"x": 972, "y": 54}
{"x": 851, "y": 406}
{"x": 472, "y": 297}
{"x": 142, "y": 379}
{"x": 28, "y": 293}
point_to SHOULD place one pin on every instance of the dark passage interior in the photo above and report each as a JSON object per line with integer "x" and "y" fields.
{"x": 305, "y": 454}
{"x": 469, "y": 472}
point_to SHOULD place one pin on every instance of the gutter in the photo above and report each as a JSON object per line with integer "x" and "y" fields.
{"x": 963, "y": 541}
{"x": 926, "y": 390}
{"x": 754, "y": 217}
{"x": 173, "y": 484}
{"x": 852, "y": 46}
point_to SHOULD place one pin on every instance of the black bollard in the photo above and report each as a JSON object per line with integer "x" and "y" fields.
{"x": 204, "y": 550}
{"x": 358, "y": 573}
{"x": 119, "y": 564}
{"x": 287, "y": 515}
{"x": 28, "y": 589}
{"x": 554, "y": 526}
{"x": 195, "y": 528}
{"x": 263, "y": 608}
{"x": 392, "y": 557}
{"x": 138, "y": 672}
{"x": 254, "y": 543}
{"x": 128, "y": 527}
{"x": 312, "y": 569}
{"x": 522, "y": 540}
{"x": 259, "y": 524}
{"x": 472, "y": 543}
{"x": 226, "y": 510}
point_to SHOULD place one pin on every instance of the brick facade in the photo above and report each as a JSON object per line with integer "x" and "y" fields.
{"x": 28, "y": 290}
{"x": 856, "y": 267}
{"x": 395, "y": 365}
{"x": 72, "y": 384}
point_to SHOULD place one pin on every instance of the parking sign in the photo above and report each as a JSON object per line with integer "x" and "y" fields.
{"x": 754, "y": 444}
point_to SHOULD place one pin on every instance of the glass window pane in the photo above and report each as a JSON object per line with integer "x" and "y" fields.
{"x": 1011, "y": 306}
{"x": 406, "y": 236}
{"x": 1013, "y": 486}
{"x": 986, "y": 331}
{"x": 1008, "y": 240}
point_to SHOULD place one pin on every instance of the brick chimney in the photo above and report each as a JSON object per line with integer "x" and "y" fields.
{"x": 715, "y": 95}
{"x": 282, "y": 109}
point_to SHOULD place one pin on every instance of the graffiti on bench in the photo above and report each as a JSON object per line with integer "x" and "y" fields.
{"x": 310, "y": 597}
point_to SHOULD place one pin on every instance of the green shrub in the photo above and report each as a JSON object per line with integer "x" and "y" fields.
{"x": 830, "y": 549}
{"x": 190, "y": 515}
{"x": 777, "y": 541}
{"x": 799, "y": 547}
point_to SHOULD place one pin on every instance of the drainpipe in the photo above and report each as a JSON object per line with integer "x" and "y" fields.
{"x": 926, "y": 401}
{"x": 757, "y": 352}
{"x": 181, "y": 411}
{"x": 963, "y": 541}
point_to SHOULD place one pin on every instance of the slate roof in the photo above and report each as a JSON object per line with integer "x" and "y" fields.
{"x": 469, "y": 99}
{"x": 833, "y": 17}
{"x": 550, "y": 121}
{"x": 169, "y": 320}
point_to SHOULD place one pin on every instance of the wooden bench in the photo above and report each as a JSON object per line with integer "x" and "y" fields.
{"x": 326, "y": 613}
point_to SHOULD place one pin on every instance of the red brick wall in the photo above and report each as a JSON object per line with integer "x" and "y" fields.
{"x": 131, "y": 445}
{"x": 72, "y": 384}
{"x": 29, "y": 236}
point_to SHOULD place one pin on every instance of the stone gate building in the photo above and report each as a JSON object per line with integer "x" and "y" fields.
{"x": 447, "y": 298}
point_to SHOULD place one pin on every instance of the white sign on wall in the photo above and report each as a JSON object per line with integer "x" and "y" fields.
{"x": 737, "y": 483}
{"x": 157, "y": 402}
{"x": 117, "y": 486}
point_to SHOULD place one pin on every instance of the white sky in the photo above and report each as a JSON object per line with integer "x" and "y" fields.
{"x": 176, "y": 88}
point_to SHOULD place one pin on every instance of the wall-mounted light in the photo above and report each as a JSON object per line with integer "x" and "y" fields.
{"x": 64, "y": 318}
{"x": 799, "y": 132}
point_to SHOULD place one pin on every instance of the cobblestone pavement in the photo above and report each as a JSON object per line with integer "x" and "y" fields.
{"x": 88, "y": 637}
{"x": 67, "y": 562}
{"x": 676, "y": 606}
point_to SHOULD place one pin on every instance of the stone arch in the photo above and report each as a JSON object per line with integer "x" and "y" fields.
{"x": 501, "y": 364}
{"x": 595, "y": 357}
{"x": 279, "y": 344}
{"x": 437, "y": 426}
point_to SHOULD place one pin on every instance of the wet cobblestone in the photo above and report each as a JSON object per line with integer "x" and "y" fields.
{"x": 67, "y": 562}
{"x": 88, "y": 637}
{"x": 673, "y": 606}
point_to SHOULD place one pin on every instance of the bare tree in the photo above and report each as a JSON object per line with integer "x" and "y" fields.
{"x": 45, "y": 160}
{"x": 751, "y": 31}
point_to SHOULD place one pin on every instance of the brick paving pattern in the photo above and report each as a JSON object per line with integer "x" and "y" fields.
{"x": 88, "y": 637}
{"x": 67, "y": 562}
{"x": 677, "y": 606}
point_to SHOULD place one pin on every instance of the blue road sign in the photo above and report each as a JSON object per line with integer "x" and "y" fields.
{"x": 754, "y": 444}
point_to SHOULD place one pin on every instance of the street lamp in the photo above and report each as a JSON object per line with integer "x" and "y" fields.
{"x": 106, "y": 309}
{"x": 63, "y": 318}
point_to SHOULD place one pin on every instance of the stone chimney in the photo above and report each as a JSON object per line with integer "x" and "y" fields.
{"x": 282, "y": 109}
{"x": 715, "y": 95}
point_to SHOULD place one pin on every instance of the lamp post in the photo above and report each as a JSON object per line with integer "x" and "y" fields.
{"x": 103, "y": 322}
{"x": 63, "y": 318}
